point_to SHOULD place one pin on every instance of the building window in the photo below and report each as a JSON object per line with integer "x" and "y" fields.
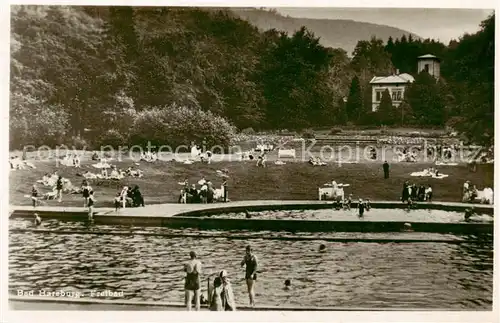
{"x": 378, "y": 95}
{"x": 397, "y": 95}
{"x": 426, "y": 68}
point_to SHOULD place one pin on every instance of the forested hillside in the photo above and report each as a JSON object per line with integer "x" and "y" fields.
{"x": 112, "y": 75}
{"x": 335, "y": 33}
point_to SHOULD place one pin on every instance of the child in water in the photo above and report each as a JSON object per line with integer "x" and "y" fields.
{"x": 288, "y": 284}
{"x": 38, "y": 220}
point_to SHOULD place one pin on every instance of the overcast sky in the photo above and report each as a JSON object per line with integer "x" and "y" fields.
{"x": 442, "y": 24}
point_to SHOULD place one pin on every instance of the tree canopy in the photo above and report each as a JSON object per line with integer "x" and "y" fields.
{"x": 90, "y": 72}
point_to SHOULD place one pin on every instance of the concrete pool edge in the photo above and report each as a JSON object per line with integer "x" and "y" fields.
{"x": 171, "y": 306}
{"x": 197, "y": 216}
{"x": 212, "y": 209}
{"x": 177, "y": 209}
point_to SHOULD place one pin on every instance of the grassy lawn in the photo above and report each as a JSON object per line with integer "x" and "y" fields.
{"x": 293, "y": 181}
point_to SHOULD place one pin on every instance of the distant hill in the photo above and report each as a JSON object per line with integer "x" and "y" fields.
{"x": 333, "y": 33}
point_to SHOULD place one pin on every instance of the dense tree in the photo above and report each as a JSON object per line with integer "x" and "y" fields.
{"x": 370, "y": 59}
{"x": 470, "y": 74}
{"x": 426, "y": 100}
{"x": 386, "y": 114}
{"x": 75, "y": 69}
{"x": 354, "y": 105}
{"x": 341, "y": 113}
{"x": 404, "y": 52}
{"x": 294, "y": 73}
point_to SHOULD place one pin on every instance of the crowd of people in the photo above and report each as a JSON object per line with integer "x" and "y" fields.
{"x": 206, "y": 193}
{"x": 128, "y": 196}
{"x": 220, "y": 292}
{"x": 149, "y": 156}
{"x": 413, "y": 192}
{"x": 470, "y": 194}
{"x": 113, "y": 173}
{"x": 71, "y": 160}
{"x": 346, "y": 204}
{"x": 429, "y": 172}
{"x": 16, "y": 163}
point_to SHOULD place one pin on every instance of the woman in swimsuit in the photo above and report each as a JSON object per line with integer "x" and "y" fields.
{"x": 192, "y": 284}
{"x": 250, "y": 263}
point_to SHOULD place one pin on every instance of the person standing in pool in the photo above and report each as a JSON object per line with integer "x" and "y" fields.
{"x": 469, "y": 213}
{"x": 38, "y": 220}
{"x": 250, "y": 263}
{"x": 90, "y": 204}
{"x": 192, "y": 284}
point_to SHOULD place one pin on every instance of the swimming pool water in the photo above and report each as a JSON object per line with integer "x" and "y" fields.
{"x": 149, "y": 268}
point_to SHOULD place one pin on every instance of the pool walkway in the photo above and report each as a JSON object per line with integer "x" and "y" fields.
{"x": 176, "y": 209}
{"x": 83, "y": 304}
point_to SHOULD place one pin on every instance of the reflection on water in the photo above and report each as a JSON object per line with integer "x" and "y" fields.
{"x": 149, "y": 268}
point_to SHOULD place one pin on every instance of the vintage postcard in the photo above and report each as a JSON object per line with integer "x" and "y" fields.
{"x": 270, "y": 159}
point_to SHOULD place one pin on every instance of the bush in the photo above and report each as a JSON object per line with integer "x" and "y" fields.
{"x": 33, "y": 122}
{"x": 77, "y": 143}
{"x": 248, "y": 131}
{"x": 308, "y": 134}
{"x": 177, "y": 125}
{"x": 335, "y": 131}
{"x": 111, "y": 137}
{"x": 368, "y": 119}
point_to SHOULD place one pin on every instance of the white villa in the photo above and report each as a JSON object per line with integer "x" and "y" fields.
{"x": 397, "y": 83}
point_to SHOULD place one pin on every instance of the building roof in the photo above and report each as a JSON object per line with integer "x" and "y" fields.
{"x": 428, "y": 56}
{"x": 393, "y": 79}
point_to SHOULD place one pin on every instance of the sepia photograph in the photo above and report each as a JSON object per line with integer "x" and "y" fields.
{"x": 250, "y": 159}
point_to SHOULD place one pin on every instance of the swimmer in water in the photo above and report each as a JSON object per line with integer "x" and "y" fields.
{"x": 468, "y": 214}
{"x": 288, "y": 284}
{"x": 410, "y": 203}
{"x": 38, "y": 220}
{"x": 368, "y": 205}
{"x": 322, "y": 248}
{"x": 192, "y": 284}
{"x": 407, "y": 227}
{"x": 247, "y": 214}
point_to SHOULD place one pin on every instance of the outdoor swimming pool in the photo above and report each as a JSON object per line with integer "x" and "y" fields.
{"x": 149, "y": 268}
{"x": 420, "y": 215}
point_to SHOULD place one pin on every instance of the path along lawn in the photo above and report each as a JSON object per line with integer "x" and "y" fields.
{"x": 293, "y": 181}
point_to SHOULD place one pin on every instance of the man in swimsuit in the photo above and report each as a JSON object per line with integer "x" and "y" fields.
{"x": 192, "y": 284}
{"x": 250, "y": 261}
